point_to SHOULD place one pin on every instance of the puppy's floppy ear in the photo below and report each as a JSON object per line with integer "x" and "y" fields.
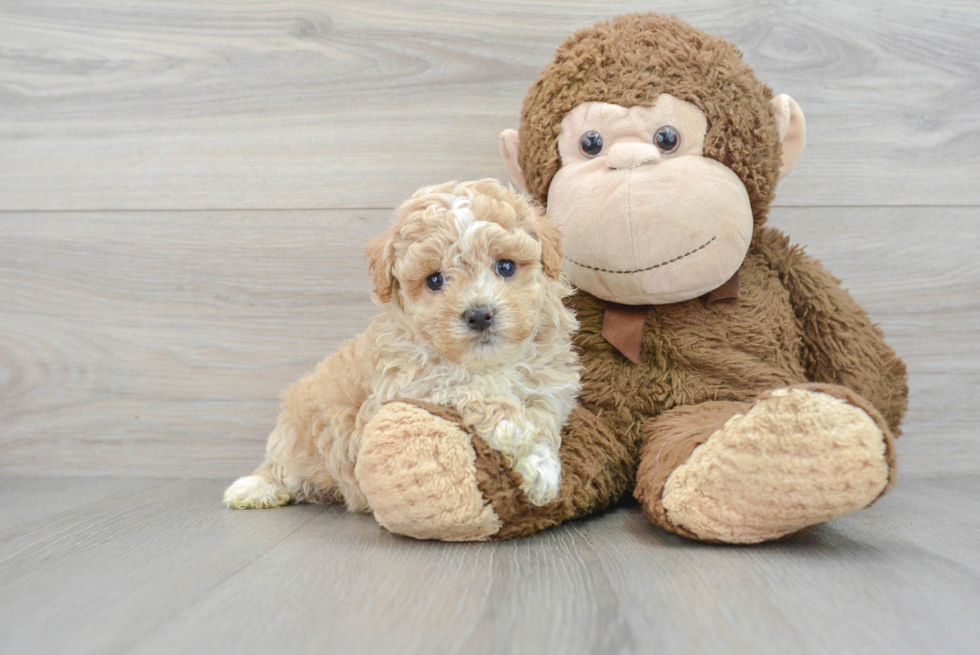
{"x": 380, "y": 254}
{"x": 550, "y": 238}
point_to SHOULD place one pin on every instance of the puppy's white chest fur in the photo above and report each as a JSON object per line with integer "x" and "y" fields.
{"x": 447, "y": 384}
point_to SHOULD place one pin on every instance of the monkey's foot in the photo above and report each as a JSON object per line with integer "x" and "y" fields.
{"x": 798, "y": 457}
{"x": 417, "y": 471}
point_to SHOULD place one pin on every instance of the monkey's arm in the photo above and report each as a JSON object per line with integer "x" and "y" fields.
{"x": 527, "y": 436}
{"x": 840, "y": 343}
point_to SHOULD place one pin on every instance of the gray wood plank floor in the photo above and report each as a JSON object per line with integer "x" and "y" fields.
{"x": 159, "y": 566}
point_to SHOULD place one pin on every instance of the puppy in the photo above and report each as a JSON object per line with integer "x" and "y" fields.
{"x": 469, "y": 285}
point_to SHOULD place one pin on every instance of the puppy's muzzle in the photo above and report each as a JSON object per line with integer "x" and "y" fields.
{"x": 479, "y": 318}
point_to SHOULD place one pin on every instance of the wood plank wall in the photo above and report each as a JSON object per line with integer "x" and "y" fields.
{"x": 185, "y": 188}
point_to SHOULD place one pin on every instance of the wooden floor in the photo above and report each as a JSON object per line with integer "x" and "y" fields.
{"x": 185, "y": 188}
{"x": 157, "y": 566}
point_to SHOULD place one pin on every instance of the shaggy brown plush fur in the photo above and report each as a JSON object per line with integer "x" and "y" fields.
{"x": 632, "y": 59}
{"x": 792, "y": 324}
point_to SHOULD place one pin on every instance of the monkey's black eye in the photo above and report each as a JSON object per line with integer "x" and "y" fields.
{"x": 435, "y": 281}
{"x": 667, "y": 139}
{"x": 506, "y": 268}
{"x": 591, "y": 143}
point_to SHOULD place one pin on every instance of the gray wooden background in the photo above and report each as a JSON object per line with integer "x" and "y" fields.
{"x": 185, "y": 189}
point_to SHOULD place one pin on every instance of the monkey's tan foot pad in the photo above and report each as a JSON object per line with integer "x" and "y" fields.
{"x": 798, "y": 457}
{"x": 417, "y": 471}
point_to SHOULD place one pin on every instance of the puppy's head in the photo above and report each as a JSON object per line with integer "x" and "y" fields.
{"x": 471, "y": 269}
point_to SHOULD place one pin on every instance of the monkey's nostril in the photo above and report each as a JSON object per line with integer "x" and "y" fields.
{"x": 478, "y": 318}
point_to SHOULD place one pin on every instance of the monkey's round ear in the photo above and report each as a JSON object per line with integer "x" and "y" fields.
{"x": 510, "y": 143}
{"x": 792, "y": 131}
{"x": 380, "y": 254}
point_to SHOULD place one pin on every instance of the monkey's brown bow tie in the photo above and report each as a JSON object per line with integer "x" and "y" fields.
{"x": 622, "y": 325}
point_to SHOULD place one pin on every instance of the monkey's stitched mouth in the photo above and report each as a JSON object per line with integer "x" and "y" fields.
{"x": 648, "y": 268}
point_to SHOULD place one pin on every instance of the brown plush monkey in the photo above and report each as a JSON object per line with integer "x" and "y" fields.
{"x": 729, "y": 382}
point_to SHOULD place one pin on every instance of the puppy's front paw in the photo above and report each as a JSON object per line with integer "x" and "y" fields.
{"x": 255, "y": 492}
{"x": 512, "y": 437}
{"x": 541, "y": 470}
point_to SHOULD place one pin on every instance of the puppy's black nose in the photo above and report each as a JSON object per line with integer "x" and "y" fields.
{"x": 478, "y": 318}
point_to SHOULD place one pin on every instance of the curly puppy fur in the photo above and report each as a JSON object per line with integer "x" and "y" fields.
{"x": 513, "y": 383}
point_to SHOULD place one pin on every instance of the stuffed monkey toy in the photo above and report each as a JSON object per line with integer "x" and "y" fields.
{"x": 729, "y": 383}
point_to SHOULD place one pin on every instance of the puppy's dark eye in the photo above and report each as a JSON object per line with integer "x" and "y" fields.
{"x": 506, "y": 268}
{"x": 435, "y": 281}
{"x": 591, "y": 143}
{"x": 667, "y": 139}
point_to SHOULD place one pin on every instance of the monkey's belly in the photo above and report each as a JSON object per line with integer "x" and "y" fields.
{"x": 695, "y": 351}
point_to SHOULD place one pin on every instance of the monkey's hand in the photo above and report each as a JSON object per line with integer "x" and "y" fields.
{"x": 526, "y": 448}
{"x": 529, "y": 447}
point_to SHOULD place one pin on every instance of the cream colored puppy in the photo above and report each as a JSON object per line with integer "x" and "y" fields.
{"x": 469, "y": 284}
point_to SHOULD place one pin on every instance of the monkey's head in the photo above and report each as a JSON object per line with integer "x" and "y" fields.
{"x": 656, "y": 151}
